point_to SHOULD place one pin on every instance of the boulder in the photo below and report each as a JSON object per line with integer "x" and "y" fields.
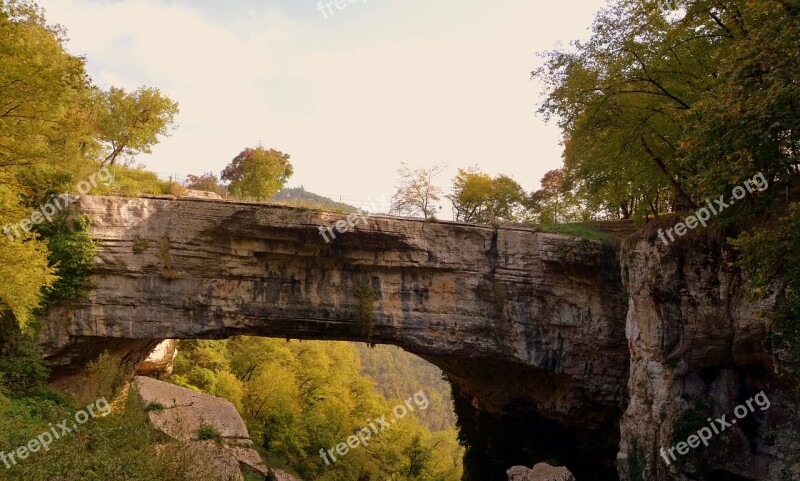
{"x": 540, "y": 472}
{"x": 180, "y": 413}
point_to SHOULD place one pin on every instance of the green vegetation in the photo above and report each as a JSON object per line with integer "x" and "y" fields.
{"x": 168, "y": 269}
{"x": 154, "y": 407}
{"x": 120, "y": 445}
{"x": 207, "y": 432}
{"x": 140, "y": 245}
{"x": 770, "y": 257}
{"x": 298, "y": 196}
{"x": 258, "y": 173}
{"x": 576, "y": 230}
{"x": 367, "y": 297}
{"x": 481, "y": 199}
{"x": 72, "y": 254}
{"x": 290, "y": 392}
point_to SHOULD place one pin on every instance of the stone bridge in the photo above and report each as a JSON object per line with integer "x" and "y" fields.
{"x": 529, "y": 327}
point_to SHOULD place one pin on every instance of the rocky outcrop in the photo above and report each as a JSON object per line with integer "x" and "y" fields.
{"x": 540, "y": 472}
{"x": 698, "y": 350}
{"x": 528, "y": 326}
{"x": 159, "y": 362}
{"x": 185, "y": 415}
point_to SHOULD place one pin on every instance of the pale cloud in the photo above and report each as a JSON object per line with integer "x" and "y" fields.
{"x": 349, "y": 97}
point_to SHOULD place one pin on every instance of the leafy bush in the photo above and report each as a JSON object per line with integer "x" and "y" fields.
{"x": 366, "y": 296}
{"x": 770, "y": 258}
{"x": 154, "y": 407}
{"x": 22, "y": 371}
{"x": 168, "y": 270}
{"x": 72, "y": 252}
{"x": 140, "y": 245}
{"x": 207, "y": 432}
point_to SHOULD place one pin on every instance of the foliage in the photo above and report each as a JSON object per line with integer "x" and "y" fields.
{"x": 478, "y": 198}
{"x": 167, "y": 268}
{"x": 206, "y": 182}
{"x": 660, "y": 113}
{"x": 139, "y": 245}
{"x": 72, "y": 254}
{"x": 367, "y": 297}
{"x": 135, "y": 181}
{"x": 299, "y": 397}
{"x": 770, "y": 258}
{"x": 555, "y": 202}
{"x": 207, "y": 432}
{"x": 417, "y": 193}
{"x": 130, "y": 123}
{"x": 154, "y": 407}
{"x": 300, "y": 197}
{"x": 575, "y": 230}
{"x": 397, "y": 373}
{"x": 258, "y": 173}
{"x": 118, "y": 446}
{"x": 22, "y": 371}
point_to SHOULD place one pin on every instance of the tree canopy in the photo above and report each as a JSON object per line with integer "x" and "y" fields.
{"x": 258, "y": 173}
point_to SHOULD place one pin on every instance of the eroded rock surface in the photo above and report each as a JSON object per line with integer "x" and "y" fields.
{"x": 159, "y": 363}
{"x": 699, "y": 349}
{"x": 520, "y": 321}
{"x": 180, "y": 413}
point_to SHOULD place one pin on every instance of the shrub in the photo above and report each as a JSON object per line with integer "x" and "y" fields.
{"x": 140, "y": 245}
{"x": 168, "y": 270}
{"x": 207, "y": 432}
{"x": 72, "y": 252}
{"x": 366, "y": 296}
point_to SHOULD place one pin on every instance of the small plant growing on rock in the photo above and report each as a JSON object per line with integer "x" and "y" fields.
{"x": 154, "y": 407}
{"x": 140, "y": 245}
{"x": 207, "y": 432}
{"x": 168, "y": 271}
{"x": 366, "y": 296}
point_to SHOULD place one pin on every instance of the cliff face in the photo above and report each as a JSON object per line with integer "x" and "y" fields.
{"x": 699, "y": 350}
{"x": 529, "y": 327}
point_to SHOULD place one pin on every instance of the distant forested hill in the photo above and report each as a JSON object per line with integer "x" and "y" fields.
{"x": 299, "y": 196}
{"x": 399, "y": 374}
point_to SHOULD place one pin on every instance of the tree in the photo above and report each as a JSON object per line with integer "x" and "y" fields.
{"x": 478, "y": 198}
{"x": 258, "y": 173}
{"x": 130, "y": 123}
{"x": 419, "y": 456}
{"x": 663, "y": 112}
{"x": 416, "y": 193}
{"x": 207, "y": 182}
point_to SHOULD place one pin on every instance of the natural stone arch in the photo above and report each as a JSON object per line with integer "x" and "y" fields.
{"x": 529, "y": 327}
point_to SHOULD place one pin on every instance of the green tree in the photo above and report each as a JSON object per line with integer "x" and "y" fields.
{"x": 663, "y": 112}
{"x": 130, "y": 123}
{"x": 478, "y": 198}
{"x": 258, "y": 173}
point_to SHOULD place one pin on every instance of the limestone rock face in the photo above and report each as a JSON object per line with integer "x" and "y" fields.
{"x": 514, "y": 317}
{"x": 540, "y": 472}
{"x": 160, "y": 361}
{"x": 184, "y": 412}
{"x": 698, "y": 350}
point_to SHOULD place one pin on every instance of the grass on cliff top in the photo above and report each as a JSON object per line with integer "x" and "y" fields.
{"x": 575, "y": 230}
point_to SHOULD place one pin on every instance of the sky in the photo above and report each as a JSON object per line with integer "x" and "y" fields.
{"x": 350, "y": 93}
